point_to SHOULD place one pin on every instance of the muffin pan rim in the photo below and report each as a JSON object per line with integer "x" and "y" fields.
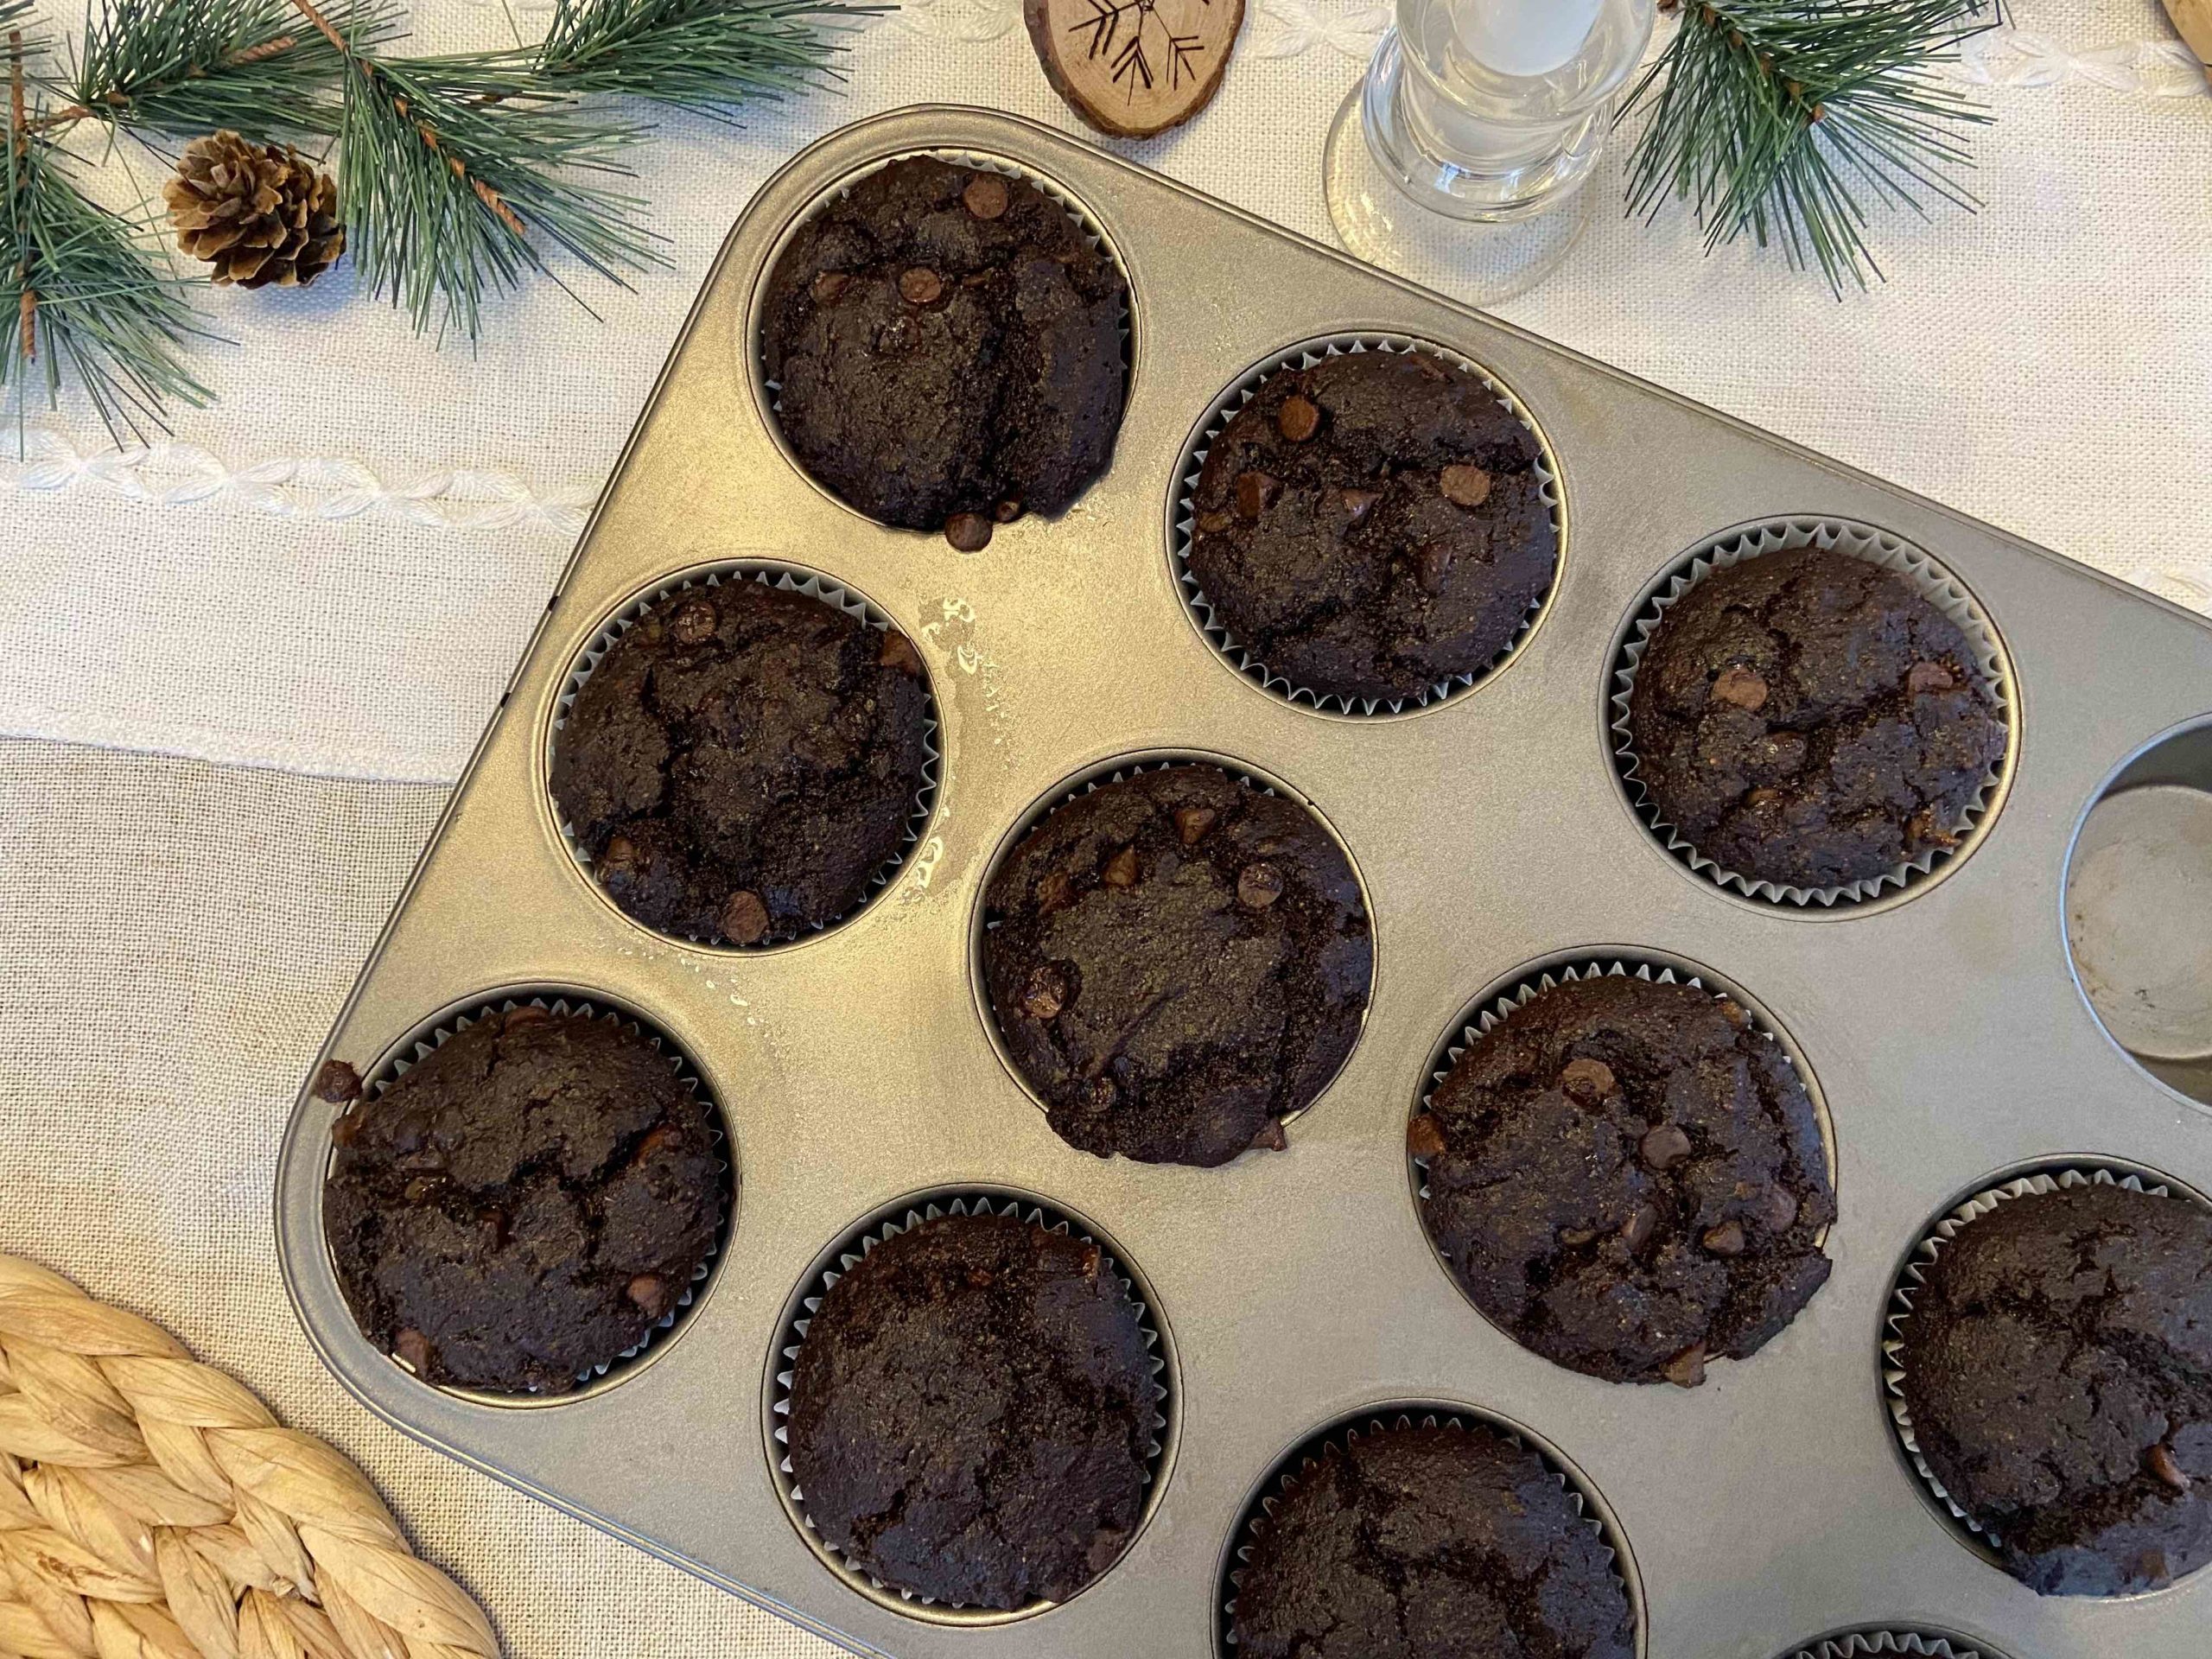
{"x": 503, "y": 910}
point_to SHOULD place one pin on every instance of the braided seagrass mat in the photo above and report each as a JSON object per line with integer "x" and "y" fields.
{"x": 151, "y": 1508}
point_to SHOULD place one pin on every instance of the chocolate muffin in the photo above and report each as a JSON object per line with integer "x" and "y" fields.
{"x": 1177, "y": 961}
{"x": 1809, "y": 719}
{"x": 744, "y": 762}
{"x": 525, "y": 1204}
{"x": 1430, "y": 1542}
{"x": 1374, "y": 526}
{"x": 972, "y": 1411}
{"x": 2057, "y": 1369}
{"x": 947, "y": 348}
{"x": 1627, "y": 1177}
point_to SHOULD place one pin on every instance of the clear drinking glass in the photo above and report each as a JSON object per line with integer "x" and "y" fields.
{"x": 1458, "y": 160}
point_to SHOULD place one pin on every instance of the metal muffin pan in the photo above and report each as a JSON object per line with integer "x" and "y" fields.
{"x": 1943, "y": 1025}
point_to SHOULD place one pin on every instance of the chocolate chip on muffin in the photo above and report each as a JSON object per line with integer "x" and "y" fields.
{"x": 1417, "y": 1543}
{"x": 972, "y": 1411}
{"x": 946, "y": 345}
{"x": 1177, "y": 962}
{"x": 2057, "y": 1369}
{"x": 1374, "y": 526}
{"x": 1627, "y": 1177}
{"x": 525, "y": 1204}
{"x": 744, "y": 762}
{"x": 1809, "y": 719}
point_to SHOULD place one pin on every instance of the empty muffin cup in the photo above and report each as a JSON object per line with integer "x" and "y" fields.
{"x": 1184, "y": 513}
{"x": 1947, "y": 842}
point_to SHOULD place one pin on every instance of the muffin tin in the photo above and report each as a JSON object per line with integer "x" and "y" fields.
{"x": 1940, "y": 1022}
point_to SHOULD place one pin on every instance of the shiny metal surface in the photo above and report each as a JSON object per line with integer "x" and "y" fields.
{"x": 1945, "y": 1029}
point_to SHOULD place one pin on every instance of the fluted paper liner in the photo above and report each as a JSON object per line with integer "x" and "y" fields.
{"x": 790, "y": 579}
{"x": 1226, "y": 407}
{"x": 432, "y": 1039}
{"x": 1305, "y": 1458}
{"x": 1861, "y": 1644}
{"x": 151, "y": 1506}
{"x": 904, "y": 1218}
{"x": 1909, "y": 1281}
{"x": 1927, "y": 577}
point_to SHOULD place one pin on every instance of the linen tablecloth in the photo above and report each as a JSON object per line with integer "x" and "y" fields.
{"x": 240, "y": 669}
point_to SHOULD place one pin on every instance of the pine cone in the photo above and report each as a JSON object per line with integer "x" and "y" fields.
{"x": 260, "y": 214}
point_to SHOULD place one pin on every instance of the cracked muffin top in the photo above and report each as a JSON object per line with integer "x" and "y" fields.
{"x": 1430, "y": 1542}
{"x": 2058, "y": 1370}
{"x": 1177, "y": 961}
{"x": 1808, "y": 719}
{"x": 744, "y": 761}
{"x": 1628, "y": 1178}
{"x": 947, "y": 348}
{"x": 525, "y": 1202}
{"x": 1374, "y": 526}
{"x": 972, "y": 1413}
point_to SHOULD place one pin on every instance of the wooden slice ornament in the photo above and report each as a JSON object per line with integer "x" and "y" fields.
{"x": 2194, "y": 19}
{"x": 1135, "y": 67}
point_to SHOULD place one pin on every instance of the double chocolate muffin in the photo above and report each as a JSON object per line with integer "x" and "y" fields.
{"x": 1374, "y": 526}
{"x": 1627, "y": 1177}
{"x": 525, "y": 1204}
{"x": 947, "y": 348}
{"x": 1430, "y": 1542}
{"x": 1808, "y": 719}
{"x": 972, "y": 1411}
{"x": 744, "y": 762}
{"x": 2057, "y": 1369}
{"x": 1177, "y": 961}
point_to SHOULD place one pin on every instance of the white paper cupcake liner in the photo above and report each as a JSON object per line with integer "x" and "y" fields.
{"x": 1113, "y": 772}
{"x": 1184, "y": 512}
{"x": 2057, "y": 1176}
{"x": 1933, "y": 583}
{"x": 1492, "y": 1010}
{"x": 789, "y": 578}
{"x": 426, "y": 1041}
{"x": 1861, "y": 1644}
{"x": 901, "y": 1217}
{"x": 1306, "y": 1456}
{"x": 1093, "y": 231}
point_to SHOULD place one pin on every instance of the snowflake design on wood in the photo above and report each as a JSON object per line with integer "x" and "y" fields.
{"x": 1132, "y": 63}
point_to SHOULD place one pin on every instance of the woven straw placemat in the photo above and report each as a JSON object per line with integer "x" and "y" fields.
{"x": 151, "y": 1508}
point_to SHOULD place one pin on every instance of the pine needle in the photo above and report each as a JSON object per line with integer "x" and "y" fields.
{"x": 1790, "y": 120}
{"x": 84, "y": 287}
{"x": 450, "y": 197}
{"x": 186, "y": 67}
{"x": 708, "y": 55}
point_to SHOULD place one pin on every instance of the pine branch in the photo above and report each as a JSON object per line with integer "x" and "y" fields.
{"x": 702, "y": 55}
{"x": 450, "y": 194}
{"x": 84, "y": 287}
{"x": 1787, "y": 120}
{"x": 186, "y": 67}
